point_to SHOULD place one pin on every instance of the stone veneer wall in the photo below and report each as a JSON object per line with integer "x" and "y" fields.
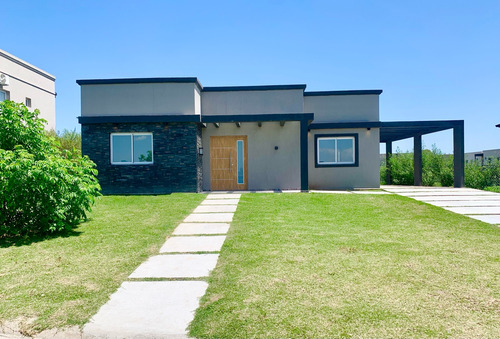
{"x": 176, "y": 167}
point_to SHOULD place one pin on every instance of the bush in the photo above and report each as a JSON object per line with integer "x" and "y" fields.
{"x": 42, "y": 189}
{"x": 437, "y": 170}
{"x": 401, "y": 168}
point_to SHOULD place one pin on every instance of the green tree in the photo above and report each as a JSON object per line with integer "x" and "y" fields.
{"x": 42, "y": 189}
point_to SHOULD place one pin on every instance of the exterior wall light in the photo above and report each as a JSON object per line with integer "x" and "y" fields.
{"x": 200, "y": 151}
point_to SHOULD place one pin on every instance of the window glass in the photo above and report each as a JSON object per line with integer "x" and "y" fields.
{"x": 3, "y": 96}
{"x": 326, "y": 150}
{"x": 239, "y": 152}
{"x": 122, "y": 148}
{"x": 143, "y": 150}
{"x": 345, "y": 150}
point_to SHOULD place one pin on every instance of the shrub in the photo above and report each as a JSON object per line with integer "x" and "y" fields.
{"x": 42, "y": 189}
{"x": 401, "y": 168}
{"x": 437, "y": 169}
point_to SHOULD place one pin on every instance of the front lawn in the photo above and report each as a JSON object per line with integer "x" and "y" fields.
{"x": 347, "y": 265}
{"x": 62, "y": 281}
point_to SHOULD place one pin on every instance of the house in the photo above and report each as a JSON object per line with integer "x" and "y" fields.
{"x": 23, "y": 82}
{"x": 484, "y": 157}
{"x": 160, "y": 135}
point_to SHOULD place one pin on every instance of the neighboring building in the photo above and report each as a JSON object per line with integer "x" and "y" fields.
{"x": 161, "y": 135}
{"x": 483, "y": 156}
{"x": 25, "y": 83}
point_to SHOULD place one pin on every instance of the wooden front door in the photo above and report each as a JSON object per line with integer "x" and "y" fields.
{"x": 228, "y": 163}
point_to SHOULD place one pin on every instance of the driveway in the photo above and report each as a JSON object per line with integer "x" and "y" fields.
{"x": 476, "y": 204}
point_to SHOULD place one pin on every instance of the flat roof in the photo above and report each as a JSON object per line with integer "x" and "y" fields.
{"x": 254, "y": 88}
{"x": 139, "y": 81}
{"x": 345, "y": 92}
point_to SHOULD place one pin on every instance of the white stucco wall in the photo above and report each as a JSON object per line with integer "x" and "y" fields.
{"x": 253, "y": 102}
{"x": 339, "y": 108}
{"x": 267, "y": 168}
{"x": 139, "y": 99}
{"x": 366, "y": 175}
{"x": 28, "y": 81}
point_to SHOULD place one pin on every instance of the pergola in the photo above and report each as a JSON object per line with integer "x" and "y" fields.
{"x": 391, "y": 131}
{"x": 397, "y": 130}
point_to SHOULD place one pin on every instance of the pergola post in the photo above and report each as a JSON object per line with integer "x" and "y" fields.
{"x": 458, "y": 155}
{"x": 388, "y": 154}
{"x": 417, "y": 160}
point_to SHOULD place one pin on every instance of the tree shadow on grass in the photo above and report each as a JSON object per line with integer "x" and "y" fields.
{"x": 28, "y": 239}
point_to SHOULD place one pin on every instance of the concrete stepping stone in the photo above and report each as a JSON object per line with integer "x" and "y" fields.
{"x": 466, "y": 203}
{"x": 215, "y": 209}
{"x": 474, "y": 210}
{"x": 490, "y": 219}
{"x": 147, "y": 309}
{"x": 220, "y": 202}
{"x": 201, "y": 228}
{"x": 177, "y": 266}
{"x": 223, "y": 196}
{"x": 209, "y": 217}
{"x": 330, "y": 192}
{"x": 211, "y": 243}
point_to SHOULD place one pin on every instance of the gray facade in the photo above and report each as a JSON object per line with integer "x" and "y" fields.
{"x": 186, "y": 120}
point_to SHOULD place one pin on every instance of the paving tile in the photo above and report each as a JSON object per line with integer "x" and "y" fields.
{"x": 474, "y": 210}
{"x": 211, "y": 243}
{"x": 220, "y": 202}
{"x": 201, "y": 228}
{"x": 458, "y": 198}
{"x": 446, "y": 193}
{"x": 465, "y": 203}
{"x": 147, "y": 309}
{"x": 209, "y": 217}
{"x": 215, "y": 209}
{"x": 176, "y": 266}
{"x": 490, "y": 219}
{"x": 224, "y": 196}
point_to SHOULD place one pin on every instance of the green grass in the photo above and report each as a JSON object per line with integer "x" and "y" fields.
{"x": 493, "y": 189}
{"x": 62, "y": 281}
{"x": 319, "y": 265}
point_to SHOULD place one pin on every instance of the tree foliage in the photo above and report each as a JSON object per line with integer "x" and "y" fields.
{"x": 42, "y": 188}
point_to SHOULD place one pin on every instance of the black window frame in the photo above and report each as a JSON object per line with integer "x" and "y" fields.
{"x": 337, "y": 135}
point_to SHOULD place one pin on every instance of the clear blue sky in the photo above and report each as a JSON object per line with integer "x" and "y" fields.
{"x": 433, "y": 59}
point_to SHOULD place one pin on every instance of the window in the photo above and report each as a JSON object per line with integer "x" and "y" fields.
{"x": 28, "y": 102}
{"x": 336, "y": 150}
{"x": 131, "y": 148}
{"x": 3, "y": 96}
{"x": 239, "y": 162}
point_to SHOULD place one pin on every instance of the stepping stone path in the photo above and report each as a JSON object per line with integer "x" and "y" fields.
{"x": 476, "y": 204}
{"x": 163, "y": 293}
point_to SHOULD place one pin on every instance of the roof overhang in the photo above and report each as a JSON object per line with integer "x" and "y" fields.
{"x": 138, "y": 118}
{"x": 258, "y": 117}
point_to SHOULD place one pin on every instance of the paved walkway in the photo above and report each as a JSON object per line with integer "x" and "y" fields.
{"x": 162, "y": 294}
{"x": 476, "y": 204}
